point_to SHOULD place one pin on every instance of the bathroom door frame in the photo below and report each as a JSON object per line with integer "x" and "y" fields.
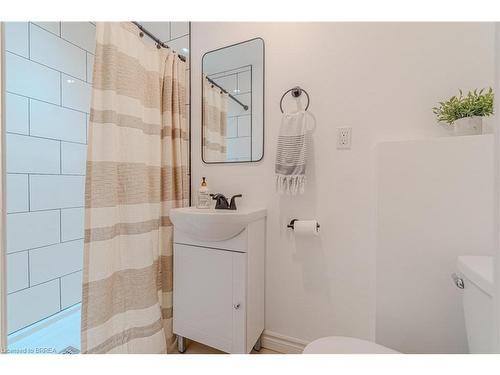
{"x": 3, "y": 279}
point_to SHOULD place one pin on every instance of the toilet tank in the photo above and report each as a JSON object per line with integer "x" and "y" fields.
{"x": 477, "y": 275}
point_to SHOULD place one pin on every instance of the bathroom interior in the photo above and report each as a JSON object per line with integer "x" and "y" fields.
{"x": 249, "y": 187}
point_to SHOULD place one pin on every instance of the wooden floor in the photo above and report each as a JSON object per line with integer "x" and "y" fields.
{"x": 194, "y": 347}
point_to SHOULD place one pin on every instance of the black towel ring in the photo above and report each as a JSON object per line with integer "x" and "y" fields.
{"x": 296, "y": 92}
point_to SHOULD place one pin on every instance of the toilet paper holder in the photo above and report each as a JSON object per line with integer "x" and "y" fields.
{"x": 291, "y": 225}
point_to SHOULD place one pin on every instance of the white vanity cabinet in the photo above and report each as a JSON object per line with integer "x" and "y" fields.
{"x": 219, "y": 285}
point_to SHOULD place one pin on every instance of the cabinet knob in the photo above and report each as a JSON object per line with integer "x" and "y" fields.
{"x": 237, "y": 306}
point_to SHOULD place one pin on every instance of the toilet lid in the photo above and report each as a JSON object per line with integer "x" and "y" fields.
{"x": 345, "y": 345}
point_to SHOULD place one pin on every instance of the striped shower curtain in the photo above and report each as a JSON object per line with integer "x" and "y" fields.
{"x": 214, "y": 122}
{"x": 136, "y": 172}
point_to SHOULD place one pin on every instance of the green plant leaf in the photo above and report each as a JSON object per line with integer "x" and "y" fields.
{"x": 473, "y": 104}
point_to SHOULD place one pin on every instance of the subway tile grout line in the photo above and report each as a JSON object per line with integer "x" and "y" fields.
{"x": 47, "y": 66}
{"x": 46, "y": 102}
{"x": 66, "y": 40}
{"x": 47, "y": 138}
{"x": 176, "y": 38}
{"x": 46, "y": 209}
{"x": 46, "y": 281}
{"x": 48, "y": 174}
{"x": 230, "y": 72}
{"x": 43, "y": 28}
{"x": 74, "y": 44}
{"x": 41, "y": 247}
{"x": 61, "y": 37}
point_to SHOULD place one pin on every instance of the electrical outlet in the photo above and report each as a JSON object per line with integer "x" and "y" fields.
{"x": 344, "y": 138}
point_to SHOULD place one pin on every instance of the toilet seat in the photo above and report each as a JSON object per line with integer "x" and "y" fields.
{"x": 345, "y": 345}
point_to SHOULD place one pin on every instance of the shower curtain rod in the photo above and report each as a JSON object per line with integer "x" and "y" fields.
{"x": 245, "y": 107}
{"x": 157, "y": 40}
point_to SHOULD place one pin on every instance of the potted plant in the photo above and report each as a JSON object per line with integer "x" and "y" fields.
{"x": 465, "y": 113}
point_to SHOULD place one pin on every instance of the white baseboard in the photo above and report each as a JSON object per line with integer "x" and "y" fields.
{"x": 281, "y": 343}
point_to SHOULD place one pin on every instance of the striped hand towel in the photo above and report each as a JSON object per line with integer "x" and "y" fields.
{"x": 291, "y": 155}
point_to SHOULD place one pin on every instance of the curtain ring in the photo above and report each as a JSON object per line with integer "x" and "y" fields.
{"x": 141, "y": 34}
{"x": 158, "y": 45}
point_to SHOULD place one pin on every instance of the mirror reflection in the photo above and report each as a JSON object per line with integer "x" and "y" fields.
{"x": 233, "y": 103}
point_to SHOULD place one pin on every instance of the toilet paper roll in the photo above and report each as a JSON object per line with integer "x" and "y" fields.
{"x": 306, "y": 227}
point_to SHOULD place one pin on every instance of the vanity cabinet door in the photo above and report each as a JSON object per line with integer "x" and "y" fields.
{"x": 205, "y": 298}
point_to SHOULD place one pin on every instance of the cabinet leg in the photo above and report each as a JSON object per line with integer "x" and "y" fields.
{"x": 181, "y": 344}
{"x": 258, "y": 344}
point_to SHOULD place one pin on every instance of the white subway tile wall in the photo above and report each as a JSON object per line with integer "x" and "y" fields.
{"x": 178, "y": 29}
{"x": 20, "y": 279}
{"x": 57, "y": 191}
{"x": 27, "y": 154}
{"x": 71, "y": 289}
{"x": 56, "y": 122}
{"x": 48, "y": 263}
{"x": 81, "y": 34}
{"x": 32, "y": 304}
{"x": 31, "y": 79}
{"x": 48, "y": 49}
{"x": 17, "y": 185}
{"x": 73, "y": 158}
{"x": 27, "y": 230}
{"x": 75, "y": 93}
{"x": 48, "y": 101}
{"x": 17, "y": 114}
{"x": 71, "y": 224}
{"x": 49, "y": 68}
{"x": 16, "y": 38}
{"x": 53, "y": 27}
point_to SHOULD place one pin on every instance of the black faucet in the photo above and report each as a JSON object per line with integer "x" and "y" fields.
{"x": 221, "y": 202}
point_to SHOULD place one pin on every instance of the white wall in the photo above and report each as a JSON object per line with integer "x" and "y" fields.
{"x": 382, "y": 80}
{"x": 435, "y": 203}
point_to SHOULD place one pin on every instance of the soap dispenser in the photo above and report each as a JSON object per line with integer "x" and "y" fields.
{"x": 204, "y": 199}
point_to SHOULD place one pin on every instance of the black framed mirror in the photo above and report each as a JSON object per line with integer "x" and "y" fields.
{"x": 233, "y": 103}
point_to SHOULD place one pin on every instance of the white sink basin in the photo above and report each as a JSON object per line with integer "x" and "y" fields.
{"x": 213, "y": 225}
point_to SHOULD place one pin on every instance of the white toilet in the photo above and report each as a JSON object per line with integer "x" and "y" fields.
{"x": 345, "y": 345}
{"x": 475, "y": 277}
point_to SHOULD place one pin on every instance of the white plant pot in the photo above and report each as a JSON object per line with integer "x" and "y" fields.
{"x": 468, "y": 126}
